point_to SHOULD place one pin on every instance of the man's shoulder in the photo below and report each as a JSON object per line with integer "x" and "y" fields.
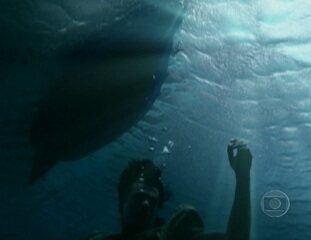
{"x": 215, "y": 236}
{"x": 102, "y": 236}
{"x": 186, "y": 215}
{"x": 186, "y": 223}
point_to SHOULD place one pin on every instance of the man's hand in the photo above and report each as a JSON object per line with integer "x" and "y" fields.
{"x": 242, "y": 161}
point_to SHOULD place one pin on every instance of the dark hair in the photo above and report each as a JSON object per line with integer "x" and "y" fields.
{"x": 136, "y": 170}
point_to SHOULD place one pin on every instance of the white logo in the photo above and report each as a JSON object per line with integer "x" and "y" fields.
{"x": 275, "y": 203}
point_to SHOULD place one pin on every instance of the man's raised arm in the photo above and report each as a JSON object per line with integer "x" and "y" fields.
{"x": 239, "y": 221}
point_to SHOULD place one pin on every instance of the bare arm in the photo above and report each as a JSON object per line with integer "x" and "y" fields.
{"x": 239, "y": 221}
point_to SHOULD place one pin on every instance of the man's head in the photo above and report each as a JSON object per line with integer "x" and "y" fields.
{"x": 141, "y": 193}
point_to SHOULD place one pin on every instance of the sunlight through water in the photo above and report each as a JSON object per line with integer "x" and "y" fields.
{"x": 249, "y": 76}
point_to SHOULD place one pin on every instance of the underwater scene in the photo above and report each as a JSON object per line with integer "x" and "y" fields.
{"x": 155, "y": 119}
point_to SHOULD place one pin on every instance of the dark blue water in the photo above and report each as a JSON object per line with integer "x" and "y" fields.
{"x": 243, "y": 70}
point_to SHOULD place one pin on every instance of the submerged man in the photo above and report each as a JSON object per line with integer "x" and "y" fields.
{"x": 141, "y": 194}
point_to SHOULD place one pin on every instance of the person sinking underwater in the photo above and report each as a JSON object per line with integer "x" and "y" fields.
{"x": 141, "y": 195}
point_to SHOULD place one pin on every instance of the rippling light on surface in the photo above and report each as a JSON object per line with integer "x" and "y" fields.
{"x": 252, "y": 59}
